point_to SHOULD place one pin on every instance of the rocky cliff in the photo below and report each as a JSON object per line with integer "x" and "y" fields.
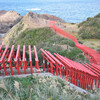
{"x": 2, "y": 12}
{"x": 8, "y": 19}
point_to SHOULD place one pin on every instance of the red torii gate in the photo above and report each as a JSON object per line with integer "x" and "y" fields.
{"x": 12, "y": 55}
{"x": 52, "y": 23}
{"x": 36, "y": 59}
{"x": 49, "y": 60}
{"x": 59, "y": 65}
{"x": 4, "y": 55}
{"x": 17, "y": 61}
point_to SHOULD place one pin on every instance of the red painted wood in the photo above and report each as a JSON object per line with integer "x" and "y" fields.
{"x": 30, "y": 60}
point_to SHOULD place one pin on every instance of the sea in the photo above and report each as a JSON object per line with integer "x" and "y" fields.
{"x": 72, "y": 11}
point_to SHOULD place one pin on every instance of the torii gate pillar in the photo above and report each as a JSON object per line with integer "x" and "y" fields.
{"x": 52, "y": 23}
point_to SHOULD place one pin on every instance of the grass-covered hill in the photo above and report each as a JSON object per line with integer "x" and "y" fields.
{"x": 90, "y": 29}
{"x": 39, "y": 88}
{"x": 47, "y": 39}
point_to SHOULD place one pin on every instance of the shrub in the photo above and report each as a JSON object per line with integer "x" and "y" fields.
{"x": 90, "y": 28}
{"x": 33, "y": 37}
{"x": 98, "y": 50}
{"x": 73, "y": 53}
{"x": 39, "y": 88}
{"x": 68, "y": 42}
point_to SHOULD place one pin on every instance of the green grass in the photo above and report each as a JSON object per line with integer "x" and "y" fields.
{"x": 39, "y": 88}
{"x": 68, "y": 42}
{"x": 33, "y": 37}
{"x": 90, "y": 29}
{"x": 98, "y": 50}
{"x": 40, "y": 37}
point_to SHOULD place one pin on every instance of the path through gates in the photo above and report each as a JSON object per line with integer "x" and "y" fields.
{"x": 86, "y": 76}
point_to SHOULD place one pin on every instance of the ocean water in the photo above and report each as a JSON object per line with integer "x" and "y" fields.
{"x": 73, "y": 11}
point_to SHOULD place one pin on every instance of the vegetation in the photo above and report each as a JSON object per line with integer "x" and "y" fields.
{"x": 90, "y": 28}
{"x": 41, "y": 36}
{"x": 20, "y": 27}
{"x": 32, "y": 37}
{"x": 98, "y": 50}
{"x": 39, "y": 88}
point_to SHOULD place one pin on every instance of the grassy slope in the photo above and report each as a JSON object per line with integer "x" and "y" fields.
{"x": 77, "y": 29}
{"x": 32, "y": 37}
{"x": 90, "y": 28}
{"x": 47, "y": 39}
{"x": 90, "y": 32}
{"x": 38, "y": 88}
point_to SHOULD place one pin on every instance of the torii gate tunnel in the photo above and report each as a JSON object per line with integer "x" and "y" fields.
{"x": 92, "y": 55}
{"x": 86, "y": 76}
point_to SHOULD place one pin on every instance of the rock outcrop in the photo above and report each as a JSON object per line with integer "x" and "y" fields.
{"x": 34, "y": 20}
{"x": 8, "y": 19}
{"x": 2, "y": 12}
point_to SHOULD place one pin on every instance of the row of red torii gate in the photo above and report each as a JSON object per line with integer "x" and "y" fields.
{"x": 86, "y": 76}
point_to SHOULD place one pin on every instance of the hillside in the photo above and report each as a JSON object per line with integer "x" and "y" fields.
{"x": 32, "y": 37}
{"x": 90, "y": 29}
{"x": 30, "y": 21}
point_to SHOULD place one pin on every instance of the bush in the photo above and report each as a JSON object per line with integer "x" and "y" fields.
{"x": 63, "y": 53}
{"x": 33, "y": 37}
{"x": 73, "y": 53}
{"x": 55, "y": 39}
{"x": 68, "y": 42}
{"x": 98, "y": 50}
{"x": 90, "y": 28}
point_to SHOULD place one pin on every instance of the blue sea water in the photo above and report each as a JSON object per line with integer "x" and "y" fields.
{"x": 73, "y": 11}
